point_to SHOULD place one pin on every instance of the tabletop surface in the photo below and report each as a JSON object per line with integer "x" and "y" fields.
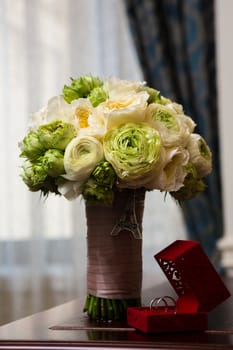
{"x": 67, "y": 327}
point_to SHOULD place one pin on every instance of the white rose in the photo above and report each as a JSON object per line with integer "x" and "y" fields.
{"x": 178, "y": 108}
{"x": 56, "y": 109}
{"x": 170, "y": 174}
{"x": 125, "y": 109}
{"x": 117, "y": 87}
{"x": 89, "y": 120}
{"x": 174, "y": 128}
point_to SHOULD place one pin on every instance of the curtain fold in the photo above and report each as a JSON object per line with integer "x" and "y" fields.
{"x": 175, "y": 42}
{"x": 44, "y": 43}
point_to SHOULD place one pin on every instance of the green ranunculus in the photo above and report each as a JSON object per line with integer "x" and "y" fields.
{"x": 56, "y": 134}
{"x": 31, "y": 146}
{"x": 174, "y": 128}
{"x": 97, "y": 96}
{"x": 200, "y": 154}
{"x": 166, "y": 117}
{"x": 81, "y": 87}
{"x": 132, "y": 149}
{"x": 53, "y": 161}
{"x": 193, "y": 185}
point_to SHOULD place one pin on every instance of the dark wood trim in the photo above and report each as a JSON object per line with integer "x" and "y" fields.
{"x": 66, "y": 327}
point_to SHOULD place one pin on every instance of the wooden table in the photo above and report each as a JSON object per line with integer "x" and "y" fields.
{"x": 66, "y": 327}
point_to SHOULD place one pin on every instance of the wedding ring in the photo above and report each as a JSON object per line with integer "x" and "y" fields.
{"x": 158, "y": 300}
{"x": 173, "y": 300}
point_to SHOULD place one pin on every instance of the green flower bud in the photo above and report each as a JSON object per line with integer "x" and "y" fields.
{"x": 31, "y": 146}
{"x": 97, "y": 96}
{"x": 104, "y": 174}
{"x": 34, "y": 175}
{"x": 50, "y": 185}
{"x": 99, "y": 187}
{"x": 69, "y": 94}
{"x": 154, "y": 95}
{"x": 53, "y": 161}
{"x": 81, "y": 87}
{"x": 204, "y": 149}
{"x": 93, "y": 193}
{"x": 56, "y": 134}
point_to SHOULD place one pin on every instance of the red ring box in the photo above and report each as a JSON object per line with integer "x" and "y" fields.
{"x": 197, "y": 284}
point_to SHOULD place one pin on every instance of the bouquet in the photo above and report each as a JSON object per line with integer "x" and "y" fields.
{"x": 105, "y": 135}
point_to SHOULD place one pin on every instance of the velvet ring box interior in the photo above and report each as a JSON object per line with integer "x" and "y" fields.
{"x": 197, "y": 284}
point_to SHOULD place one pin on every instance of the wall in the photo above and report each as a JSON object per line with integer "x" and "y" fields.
{"x": 224, "y": 30}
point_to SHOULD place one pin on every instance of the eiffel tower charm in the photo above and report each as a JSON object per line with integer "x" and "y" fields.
{"x": 128, "y": 220}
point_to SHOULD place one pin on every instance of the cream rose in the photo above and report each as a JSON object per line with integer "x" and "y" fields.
{"x": 56, "y": 109}
{"x": 117, "y": 87}
{"x": 125, "y": 109}
{"x": 89, "y": 120}
{"x": 170, "y": 172}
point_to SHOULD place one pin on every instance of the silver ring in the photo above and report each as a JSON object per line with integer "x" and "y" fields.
{"x": 158, "y": 300}
{"x": 173, "y": 300}
{"x": 164, "y": 299}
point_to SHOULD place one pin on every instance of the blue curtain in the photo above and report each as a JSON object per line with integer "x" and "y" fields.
{"x": 175, "y": 41}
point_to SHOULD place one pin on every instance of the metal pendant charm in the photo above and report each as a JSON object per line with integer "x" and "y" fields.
{"x": 128, "y": 220}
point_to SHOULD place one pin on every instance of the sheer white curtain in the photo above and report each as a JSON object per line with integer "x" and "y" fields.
{"x": 43, "y": 43}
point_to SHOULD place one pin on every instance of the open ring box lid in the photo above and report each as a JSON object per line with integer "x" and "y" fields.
{"x": 197, "y": 284}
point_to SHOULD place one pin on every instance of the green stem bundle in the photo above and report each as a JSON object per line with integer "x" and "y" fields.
{"x": 108, "y": 310}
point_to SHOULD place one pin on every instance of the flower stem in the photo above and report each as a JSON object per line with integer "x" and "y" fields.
{"x": 107, "y": 310}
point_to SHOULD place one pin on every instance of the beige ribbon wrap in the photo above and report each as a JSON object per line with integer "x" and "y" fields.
{"x": 114, "y": 262}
